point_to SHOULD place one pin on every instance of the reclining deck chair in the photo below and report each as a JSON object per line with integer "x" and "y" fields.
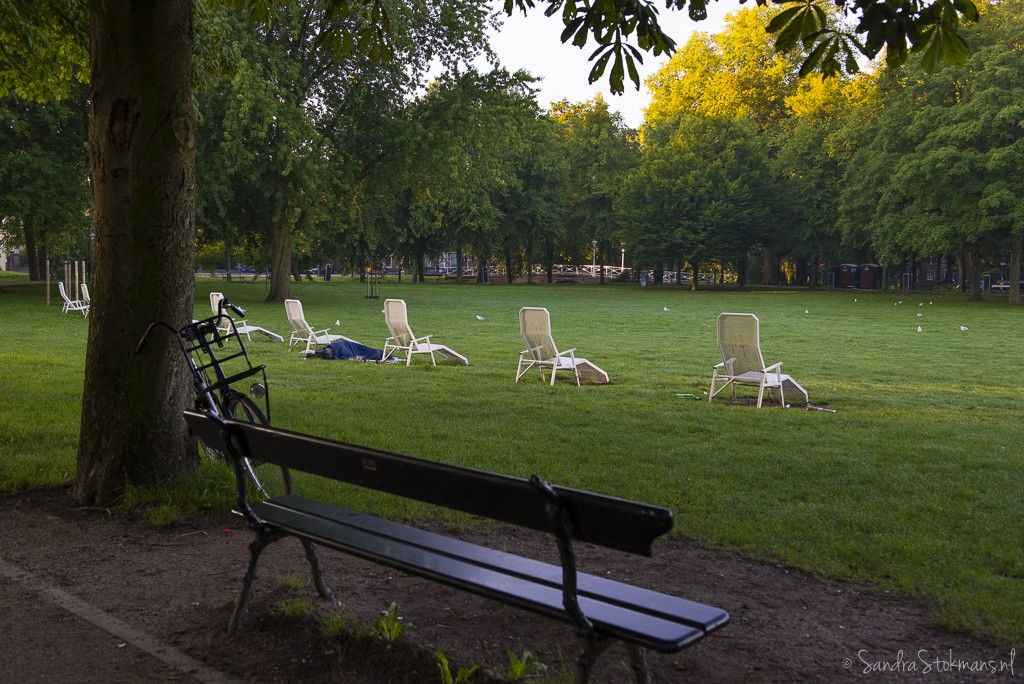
{"x": 397, "y": 319}
{"x": 242, "y": 327}
{"x": 86, "y": 299}
{"x": 739, "y": 343}
{"x": 535, "y": 327}
{"x": 71, "y": 304}
{"x": 303, "y": 331}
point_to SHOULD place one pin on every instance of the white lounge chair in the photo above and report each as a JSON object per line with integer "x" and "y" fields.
{"x": 242, "y": 327}
{"x": 535, "y": 327}
{"x": 397, "y": 319}
{"x": 71, "y": 304}
{"x": 739, "y": 342}
{"x": 86, "y": 299}
{"x": 303, "y": 331}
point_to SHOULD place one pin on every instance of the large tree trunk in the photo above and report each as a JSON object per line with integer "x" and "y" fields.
{"x": 32, "y": 253}
{"x": 510, "y": 276}
{"x": 1014, "y": 274}
{"x": 142, "y": 155}
{"x": 280, "y": 259}
{"x": 972, "y": 273}
{"x": 769, "y": 267}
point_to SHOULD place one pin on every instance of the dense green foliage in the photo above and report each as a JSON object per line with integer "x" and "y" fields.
{"x": 899, "y": 167}
{"x": 44, "y": 189}
{"x": 911, "y": 486}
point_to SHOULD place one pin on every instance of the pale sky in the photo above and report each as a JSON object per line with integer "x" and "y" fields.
{"x": 532, "y": 43}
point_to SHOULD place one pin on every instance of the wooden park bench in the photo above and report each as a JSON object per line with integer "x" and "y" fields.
{"x": 602, "y": 610}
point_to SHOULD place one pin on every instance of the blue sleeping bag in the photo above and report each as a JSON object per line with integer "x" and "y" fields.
{"x": 349, "y": 350}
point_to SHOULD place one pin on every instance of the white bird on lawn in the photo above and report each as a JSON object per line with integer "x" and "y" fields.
{"x": 337, "y": 322}
{"x": 920, "y": 314}
{"x": 807, "y": 311}
{"x": 920, "y": 329}
{"x": 964, "y": 328}
{"x": 480, "y": 318}
{"x": 664, "y": 308}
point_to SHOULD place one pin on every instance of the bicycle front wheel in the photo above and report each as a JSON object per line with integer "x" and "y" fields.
{"x": 266, "y": 480}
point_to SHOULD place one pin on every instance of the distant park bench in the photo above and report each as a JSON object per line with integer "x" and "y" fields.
{"x": 602, "y": 610}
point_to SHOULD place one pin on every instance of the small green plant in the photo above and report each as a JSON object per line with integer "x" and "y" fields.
{"x": 520, "y": 668}
{"x": 333, "y": 625}
{"x": 162, "y": 515}
{"x": 289, "y": 583}
{"x": 291, "y": 605}
{"x": 293, "y": 608}
{"x": 461, "y": 675}
{"x": 390, "y": 626}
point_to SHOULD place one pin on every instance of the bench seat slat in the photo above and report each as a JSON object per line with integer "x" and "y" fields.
{"x": 701, "y": 616}
{"x": 617, "y": 620}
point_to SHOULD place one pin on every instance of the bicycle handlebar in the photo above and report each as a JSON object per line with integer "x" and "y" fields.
{"x": 149, "y": 330}
{"x": 224, "y": 304}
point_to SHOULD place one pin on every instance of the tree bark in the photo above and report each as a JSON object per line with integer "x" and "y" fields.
{"x": 280, "y": 259}
{"x": 769, "y": 268}
{"x": 510, "y": 277}
{"x": 35, "y": 263}
{"x": 142, "y": 157}
{"x": 1014, "y": 266}
{"x": 972, "y": 273}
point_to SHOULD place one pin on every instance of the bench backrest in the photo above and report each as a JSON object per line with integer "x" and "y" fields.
{"x": 594, "y": 518}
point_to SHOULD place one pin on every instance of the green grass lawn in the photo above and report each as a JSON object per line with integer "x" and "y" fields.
{"x": 911, "y": 486}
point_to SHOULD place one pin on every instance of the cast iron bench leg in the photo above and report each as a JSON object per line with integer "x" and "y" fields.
{"x": 639, "y": 663}
{"x": 318, "y": 573}
{"x": 262, "y": 541}
{"x": 593, "y": 646}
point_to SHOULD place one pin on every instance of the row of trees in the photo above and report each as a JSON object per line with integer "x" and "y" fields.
{"x": 304, "y": 156}
{"x": 743, "y": 163}
{"x": 739, "y": 162}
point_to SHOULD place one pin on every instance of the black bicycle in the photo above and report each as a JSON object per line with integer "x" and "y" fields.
{"x": 218, "y": 359}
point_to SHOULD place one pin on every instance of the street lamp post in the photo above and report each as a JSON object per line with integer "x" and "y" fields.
{"x": 622, "y": 264}
{"x": 593, "y": 264}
